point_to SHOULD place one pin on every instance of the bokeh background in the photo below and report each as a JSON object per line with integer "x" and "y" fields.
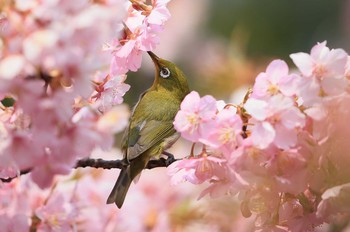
{"x": 221, "y": 45}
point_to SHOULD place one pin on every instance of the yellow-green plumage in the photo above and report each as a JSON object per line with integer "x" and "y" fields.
{"x": 151, "y": 129}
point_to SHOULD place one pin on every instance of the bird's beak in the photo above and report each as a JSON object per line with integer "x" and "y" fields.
{"x": 156, "y": 61}
{"x": 155, "y": 58}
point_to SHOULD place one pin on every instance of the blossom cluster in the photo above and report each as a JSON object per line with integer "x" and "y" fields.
{"x": 139, "y": 34}
{"x": 60, "y": 94}
{"x": 48, "y": 58}
{"x": 47, "y": 66}
{"x": 283, "y": 151}
{"x": 60, "y": 98}
{"x": 71, "y": 204}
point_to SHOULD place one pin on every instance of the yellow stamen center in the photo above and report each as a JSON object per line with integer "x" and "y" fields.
{"x": 319, "y": 70}
{"x": 226, "y": 135}
{"x": 273, "y": 89}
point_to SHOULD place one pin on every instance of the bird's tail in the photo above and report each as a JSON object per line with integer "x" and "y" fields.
{"x": 120, "y": 188}
{"x": 126, "y": 176}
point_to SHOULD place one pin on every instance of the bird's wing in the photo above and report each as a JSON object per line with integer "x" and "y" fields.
{"x": 147, "y": 134}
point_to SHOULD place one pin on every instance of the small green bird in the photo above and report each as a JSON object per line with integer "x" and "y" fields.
{"x": 151, "y": 129}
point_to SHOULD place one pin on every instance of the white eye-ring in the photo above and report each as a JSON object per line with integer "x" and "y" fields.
{"x": 164, "y": 72}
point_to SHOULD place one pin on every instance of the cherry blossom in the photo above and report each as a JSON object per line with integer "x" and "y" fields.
{"x": 195, "y": 170}
{"x": 142, "y": 25}
{"x": 275, "y": 80}
{"x": 286, "y": 138}
{"x": 322, "y": 61}
{"x": 159, "y": 14}
{"x": 194, "y": 120}
{"x": 226, "y": 135}
{"x": 277, "y": 121}
{"x": 47, "y": 71}
{"x": 280, "y": 154}
{"x": 325, "y": 66}
{"x": 56, "y": 216}
{"x": 110, "y": 92}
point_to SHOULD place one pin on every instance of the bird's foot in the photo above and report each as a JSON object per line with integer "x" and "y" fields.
{"x": 170, "y": 158}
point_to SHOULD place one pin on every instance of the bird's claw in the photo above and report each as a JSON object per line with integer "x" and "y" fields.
{"x": 170, "y": 158}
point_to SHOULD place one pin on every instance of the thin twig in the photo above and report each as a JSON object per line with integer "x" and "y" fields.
{"x": 9, "y": 179}
{"x": 100, "y": 163}
{"x": 109, "y": 164}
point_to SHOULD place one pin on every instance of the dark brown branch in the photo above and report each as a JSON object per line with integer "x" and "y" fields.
{"x": 109, "y": 164}
{"x": 100, "y": 163}
{"x": 9, "y": 179}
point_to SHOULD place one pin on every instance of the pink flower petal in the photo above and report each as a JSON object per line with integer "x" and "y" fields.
{"x": 285, "y": 138}
{"x": 319, "y": 50}
{"x": 276, "y": 70}
{"x": 207, "y": 107}
{"x": 292, "y": 118}
{"x": 134, "y": 60}
{"x": 262, "y": 135}
{"x": 261, "y": 85}
{"x": 191, "y": 102}
{"x": 336, "y": 62}
{"x": 304, "y": 63}
{"x": 256, "y": 108}
{"x": 334, "y": 86}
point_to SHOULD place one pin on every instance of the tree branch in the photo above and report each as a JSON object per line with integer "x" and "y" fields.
{"x": 22, "y": 172}
{"x": 109, "y": 164}
{"x": 100, "y": 163}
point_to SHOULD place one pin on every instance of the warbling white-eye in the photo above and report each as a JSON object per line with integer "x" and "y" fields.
{"x": 151, "y": 130}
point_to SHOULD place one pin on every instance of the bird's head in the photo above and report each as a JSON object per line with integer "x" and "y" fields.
{"x": 169, "y": 77}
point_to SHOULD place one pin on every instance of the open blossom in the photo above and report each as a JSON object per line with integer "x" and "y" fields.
{"x": 196, "y": 169}
{"x": 284, "y": 170}
{"x": 130, "y": 59}
{"x": 159, "y": 13}
{"x": 321, "y": 62}
{"x": 49, "y": 65}
{"x": 324, "y": 76}
{"x": 195, "y": 119}
{"x": 51, "y": 141}
{"x": 110, "y": 92}
{"x": 277, "y": 120}
{"x": 55, "y": 216}
{"x": 116, "y": 88}
{"x": 142, "y": 25}
{"x": 324, "y": 68}
{"x": 275, "y": 80}
{"x": 226, "y": 134}
{"x": 54, "y": 39}
{"x": 283, "y": 151}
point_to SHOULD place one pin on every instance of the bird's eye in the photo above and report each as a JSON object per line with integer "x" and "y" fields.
{"x": 164, "y": 72}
